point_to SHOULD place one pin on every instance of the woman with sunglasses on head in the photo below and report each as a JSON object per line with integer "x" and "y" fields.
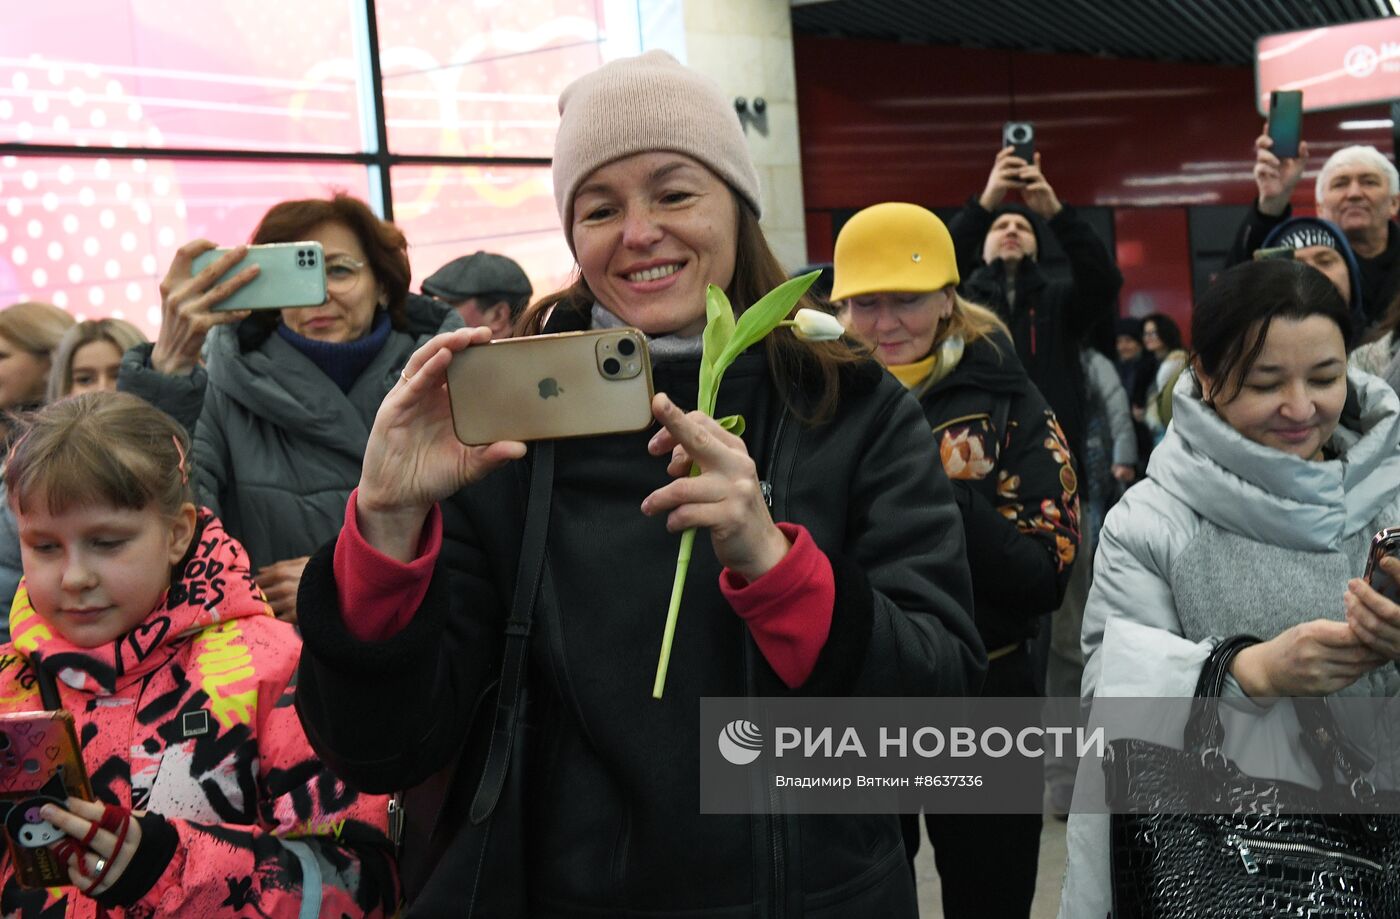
{"x": 281, "y": 409}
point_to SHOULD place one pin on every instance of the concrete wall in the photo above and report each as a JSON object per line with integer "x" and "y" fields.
{"x": 746, "y": 46}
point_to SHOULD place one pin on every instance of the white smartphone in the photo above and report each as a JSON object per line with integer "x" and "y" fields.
{"x": 292, "y": 275}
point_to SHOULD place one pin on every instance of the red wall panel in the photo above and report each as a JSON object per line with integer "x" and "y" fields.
{"x": 1155, "y": 258}
{"x": 883, "y": 121}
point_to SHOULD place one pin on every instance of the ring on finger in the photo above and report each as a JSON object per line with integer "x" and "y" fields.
{"x": 404, "y": 375}
{"x": 99, "y": 866}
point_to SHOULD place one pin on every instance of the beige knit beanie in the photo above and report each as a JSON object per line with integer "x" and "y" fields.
{"x": 641, "y": 104}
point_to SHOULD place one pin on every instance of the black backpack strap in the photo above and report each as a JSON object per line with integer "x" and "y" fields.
{"x": 517, "y": 632}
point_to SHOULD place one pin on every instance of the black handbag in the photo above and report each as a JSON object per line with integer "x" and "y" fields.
{"x": 1191, "y": 835}
{"x": 463, "y": 839}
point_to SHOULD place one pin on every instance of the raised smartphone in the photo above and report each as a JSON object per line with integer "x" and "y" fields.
{"x": 292, "y": 275}
{"x": 574, "y": 384}
{"x": 1386, "y": 542}
{"x": 1020, "y": 136}
{"x": 40, "y": 764}
{"x": 1285, "y": 121}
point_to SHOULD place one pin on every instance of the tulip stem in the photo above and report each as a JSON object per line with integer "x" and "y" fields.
{"x": 673, "y": 612}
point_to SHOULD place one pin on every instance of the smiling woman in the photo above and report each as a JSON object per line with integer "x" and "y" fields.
{"x": 1256, "y": 519}
{"x": 867, "y": 595}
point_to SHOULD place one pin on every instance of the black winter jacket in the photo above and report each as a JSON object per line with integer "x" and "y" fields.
{"x": 614, "y": 827}
{"x": 1015, "y": 482}
{"x": 1050, "y": 320}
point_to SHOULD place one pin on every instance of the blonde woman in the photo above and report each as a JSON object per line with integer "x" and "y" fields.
{"x": 89, "y": 356}
{"x": 896, "y": 278}
{"x": 29, "y": 333}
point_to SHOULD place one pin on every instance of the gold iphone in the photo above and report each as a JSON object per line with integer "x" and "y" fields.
{"x": 543, "y": 387}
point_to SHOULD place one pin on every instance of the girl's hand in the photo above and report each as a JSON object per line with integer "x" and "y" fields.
{"x": 186, "y": 302}
{"x": 77, "y": 821}
{"x": 413, "y": 458}
{"x": 724, "y": 498}
{"x": 1314, "y": 658}
{"x": 1374, "y": 619}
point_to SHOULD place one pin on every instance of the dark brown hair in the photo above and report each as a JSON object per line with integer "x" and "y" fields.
{"x": 797, "y": 367}
{"x": 384, "y": 244}
{"x": 100, "y": 448}
{"x": 1230, "y": 324}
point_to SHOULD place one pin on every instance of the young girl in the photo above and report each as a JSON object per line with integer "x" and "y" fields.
{"x": 210, "y": 801}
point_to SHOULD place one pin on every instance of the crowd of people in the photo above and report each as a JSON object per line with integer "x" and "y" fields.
{"x": 313, "y": 643}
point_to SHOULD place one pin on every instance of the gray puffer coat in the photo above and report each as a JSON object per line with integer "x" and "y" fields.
{"x": 1229, "y": 537}
{"x": 277, "y": 445}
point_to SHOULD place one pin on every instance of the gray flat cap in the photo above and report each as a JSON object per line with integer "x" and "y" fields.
{"x": 478, "y": 273}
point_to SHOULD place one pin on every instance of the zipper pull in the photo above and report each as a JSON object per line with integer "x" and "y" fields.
{"x": 1250, "y": 865}
{"x": 396, "y": 819}
{"x": 766, "y": 489}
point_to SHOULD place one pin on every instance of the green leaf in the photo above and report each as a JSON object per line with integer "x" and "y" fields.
{"x": 763, "y": 317}
{"x": 734, "y": 424}
{"x": 719, "y": 328}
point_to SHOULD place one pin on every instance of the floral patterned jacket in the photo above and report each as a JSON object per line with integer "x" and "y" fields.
{"x": 190, "y": 716}
{"x": 1015, "y": 480}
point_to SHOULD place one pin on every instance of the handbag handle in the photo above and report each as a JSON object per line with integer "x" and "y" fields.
{"x": 517, "y": 631}
{"x": 1203, "y": 729}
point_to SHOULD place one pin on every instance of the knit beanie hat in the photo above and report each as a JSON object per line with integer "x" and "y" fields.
{"x": 1303, "y": 232}
{"x": 1031, "y": 217}
{"x": 640, "y": 105}
{"x": 1129, "y": 326}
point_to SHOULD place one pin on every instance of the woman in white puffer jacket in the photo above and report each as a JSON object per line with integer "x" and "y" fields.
{"x": 1256, "y": 517}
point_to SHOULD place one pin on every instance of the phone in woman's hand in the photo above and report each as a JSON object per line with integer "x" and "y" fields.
{"x": 1386, "y": 542}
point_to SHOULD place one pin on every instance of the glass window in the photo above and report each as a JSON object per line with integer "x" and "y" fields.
{"x": 232, "y": 74}
{"x": 95, "y": 236}
{"x": 483, "y": 79}
{"x": 448, "y": 211}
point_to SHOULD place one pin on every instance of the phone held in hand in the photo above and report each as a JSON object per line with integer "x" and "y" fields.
{"x": 291, "y": 275}
{"x": 1020, "y": 137}
{"x": 1277, "y": 252}
{"x": 1285, "y": 122}
{"x": 40, "y": 763}
{"x": 543, "y": 387}
{"x": 1386, "y": 542}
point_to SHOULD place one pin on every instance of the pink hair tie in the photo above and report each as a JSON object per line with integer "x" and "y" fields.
{"x": 184, "y": 473}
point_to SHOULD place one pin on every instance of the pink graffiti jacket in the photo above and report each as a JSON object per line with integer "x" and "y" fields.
{"x": 189, "y": 717}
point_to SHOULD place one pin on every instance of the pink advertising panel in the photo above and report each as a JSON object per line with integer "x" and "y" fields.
{"x": 1335, "y": 67}
{"x": 447, "y": 211}
{"x": 95, "y": 236}
{"x": 482, "y": 79}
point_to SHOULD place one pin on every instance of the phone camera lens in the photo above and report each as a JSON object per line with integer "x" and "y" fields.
{"x": 626, "y": 347}
{"x": 611, "y": 367}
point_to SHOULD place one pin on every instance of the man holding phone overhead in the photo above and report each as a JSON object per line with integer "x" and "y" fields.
{"x": 998, "y": 244}
{"x": 1358, "y": 189}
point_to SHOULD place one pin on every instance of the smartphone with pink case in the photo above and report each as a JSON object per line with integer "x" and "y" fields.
{"x": 40, "y": 763}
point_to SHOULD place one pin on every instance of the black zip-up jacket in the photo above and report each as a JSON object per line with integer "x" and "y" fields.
{"x": 1016, "y": 487}
{"x": 1050, "y": 320}
{"x": 614, "y": 825}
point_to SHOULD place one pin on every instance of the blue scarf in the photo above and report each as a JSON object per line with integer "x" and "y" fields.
{"x": 343, "y": 362}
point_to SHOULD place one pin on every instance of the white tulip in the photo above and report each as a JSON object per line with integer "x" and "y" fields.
{"x": 814, "y": 325}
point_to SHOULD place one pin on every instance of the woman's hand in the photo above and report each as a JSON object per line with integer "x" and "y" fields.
{"x": 186, "y": 303}
{"x": 77, "y": 821}
{"x": 1314, "y": 658}
{"x": 279, "y": 582}
{"x": 724, "y": 498}
{"x": 413, "y": 458}
{"x": 1374, "y": 619}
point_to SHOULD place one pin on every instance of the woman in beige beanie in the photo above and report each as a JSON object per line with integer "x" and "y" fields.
{"x": 833, "y": 566}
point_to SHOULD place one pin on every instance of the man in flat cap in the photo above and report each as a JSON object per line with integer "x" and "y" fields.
{"x": 487, "y": 290}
